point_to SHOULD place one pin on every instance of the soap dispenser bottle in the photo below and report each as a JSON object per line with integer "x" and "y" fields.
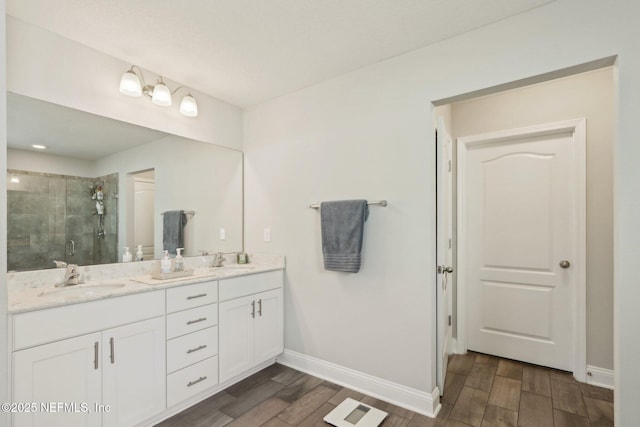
{"x": 179, "y": 261}
{"x": 165, "y": 263}
{"x": 126, "y": 256}
{"x": 139, "y": 254}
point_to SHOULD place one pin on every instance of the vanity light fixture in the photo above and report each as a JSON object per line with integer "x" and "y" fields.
{"x": 159, "y": 94}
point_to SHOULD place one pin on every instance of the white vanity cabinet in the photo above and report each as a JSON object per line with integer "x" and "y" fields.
{"x": 251, "y": 321}
{"x": 120, "y": 366}
{"x": 133, "y": 372}
{"x": 192, "y": 340}
{"x": 63, "y": 371}
{"x": 136, "y": 359}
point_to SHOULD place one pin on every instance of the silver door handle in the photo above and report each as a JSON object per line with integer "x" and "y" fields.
{"x": 95, "y": 355}
{"x": 113, "y": 351}
{"x": 444, "y": 269}
{"x": 260, "y": 307}
{"x": 564, "y": 263}
{"x": 253, "y": 309}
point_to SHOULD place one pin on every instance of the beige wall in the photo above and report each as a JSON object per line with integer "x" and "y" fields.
{"x": 589, "y": 95}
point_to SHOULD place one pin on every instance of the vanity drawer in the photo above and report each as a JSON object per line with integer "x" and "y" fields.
{"x": 192, "y": 348}
{"x": 185, "y": 322}
{"x": 192, "y": 380}
{"x": 185, "y": 297}
{"x": 53, "y": 324}
{"x": 251, "y": 284}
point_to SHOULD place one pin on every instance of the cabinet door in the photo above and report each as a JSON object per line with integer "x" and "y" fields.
{"x": 68, "y": 372}
{"x": 236, "y": 336}
{"x": 134, "y": 374}
{"x": 268, "y": 325}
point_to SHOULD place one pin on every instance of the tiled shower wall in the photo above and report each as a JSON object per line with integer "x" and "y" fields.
{"x": 46, "y": 212}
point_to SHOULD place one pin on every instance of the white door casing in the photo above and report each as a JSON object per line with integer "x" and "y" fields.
{"x": 444, "y": 249}
{"x": 521, "y": 211}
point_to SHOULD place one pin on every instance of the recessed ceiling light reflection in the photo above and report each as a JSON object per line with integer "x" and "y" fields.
{"x": 39, "y": 147}
{"x": 14, "y": 180}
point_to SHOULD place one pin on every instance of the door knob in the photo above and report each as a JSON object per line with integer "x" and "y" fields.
{"x": 564, "y": 263}
{"x": 443, "y": 269}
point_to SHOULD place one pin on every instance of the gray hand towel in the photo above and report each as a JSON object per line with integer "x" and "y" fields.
{"x": 342, "y": 224}
{"x": 173, "y": 230}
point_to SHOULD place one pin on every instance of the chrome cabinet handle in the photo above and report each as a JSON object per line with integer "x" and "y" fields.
{"x": 95, "y": 355}
{"x": 113, "y": 352}
{"x": 260, "y": 307}
{"x": 191, "y": 350}
{"x": 196, "y": 296}
{"x": 253, "y": 309}
{"x": 190, "y": 383}
{"x": 564, "y": 263}
{"x": 191, "y": 322}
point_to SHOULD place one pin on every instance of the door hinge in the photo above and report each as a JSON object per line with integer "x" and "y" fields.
{"x": 449, "y": 165}
{"x": 449, "y": 320}
{"x": 449, "y": 243}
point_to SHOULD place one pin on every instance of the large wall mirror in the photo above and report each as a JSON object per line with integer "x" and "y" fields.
{"x": 101, "y": 184}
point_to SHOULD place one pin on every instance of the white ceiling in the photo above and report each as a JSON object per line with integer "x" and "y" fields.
{"x": 68, "y": 132}
{"x": 249, "y": 51}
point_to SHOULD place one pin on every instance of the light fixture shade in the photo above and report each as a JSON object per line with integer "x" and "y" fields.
{"x": 189, "y": 106}
{"x": 161, "y": 95}
{"x": 130, "y": 84}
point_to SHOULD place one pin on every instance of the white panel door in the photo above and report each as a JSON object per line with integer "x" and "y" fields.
{"x": 445, "y": 249}
{"x": 134, "y": 372}
{"x": 144, "y": 218}
{"x": 268, "y": 326}
{"x": 521, "y": 228}
{"x": 68, "y": 372}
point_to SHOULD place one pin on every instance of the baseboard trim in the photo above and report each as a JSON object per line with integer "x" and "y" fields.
{"x": 406, "y": 397}
{"x": 600, "y": 377}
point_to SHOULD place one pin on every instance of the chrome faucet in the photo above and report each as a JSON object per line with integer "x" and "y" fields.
{"x": 71, "y": 275}
{"x": 218, "y": 260}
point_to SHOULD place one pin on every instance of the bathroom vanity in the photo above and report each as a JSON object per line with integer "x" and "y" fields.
{"x": 134, "y": 350}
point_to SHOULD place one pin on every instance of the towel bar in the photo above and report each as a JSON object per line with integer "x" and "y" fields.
{"x": 186, "y": 213}
{"x": 382, "y": 203}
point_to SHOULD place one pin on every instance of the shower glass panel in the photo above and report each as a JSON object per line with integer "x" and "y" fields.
{"x": 56, "y": 217}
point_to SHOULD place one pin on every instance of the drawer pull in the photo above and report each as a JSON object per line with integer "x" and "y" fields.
{"x": 191, "y": 350}
{"x": 196, "y": 296}
{"x": 190, "y": 383}
{"x": 95, "y": 355}
{"x": 191, "y": 322}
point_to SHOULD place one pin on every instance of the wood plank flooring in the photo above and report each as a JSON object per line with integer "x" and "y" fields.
{"x": 480, "y": 391}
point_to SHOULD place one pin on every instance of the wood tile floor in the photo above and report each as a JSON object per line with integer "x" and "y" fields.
{"x": 480, "y": 391}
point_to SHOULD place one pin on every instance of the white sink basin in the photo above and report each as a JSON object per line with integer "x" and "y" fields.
{"x": 83, "y": 290}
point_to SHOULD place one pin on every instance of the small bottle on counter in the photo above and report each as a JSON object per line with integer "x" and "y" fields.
{"x": 242, "y": 258}
{"x": 165, "y": 263}
{"x": 179, "y": 261}
{"x": 126, "y": 256}
{"x": 139, "y": 254}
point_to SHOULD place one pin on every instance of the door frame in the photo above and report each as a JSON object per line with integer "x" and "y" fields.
{"x": 578, "y": 128}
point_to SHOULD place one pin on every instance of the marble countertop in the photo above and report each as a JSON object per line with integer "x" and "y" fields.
{"x": 31, "y": 291}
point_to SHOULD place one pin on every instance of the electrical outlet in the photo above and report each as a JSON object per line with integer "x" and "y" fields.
{"x": 223, "y": 233}
{"x": 267, "y": 234}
